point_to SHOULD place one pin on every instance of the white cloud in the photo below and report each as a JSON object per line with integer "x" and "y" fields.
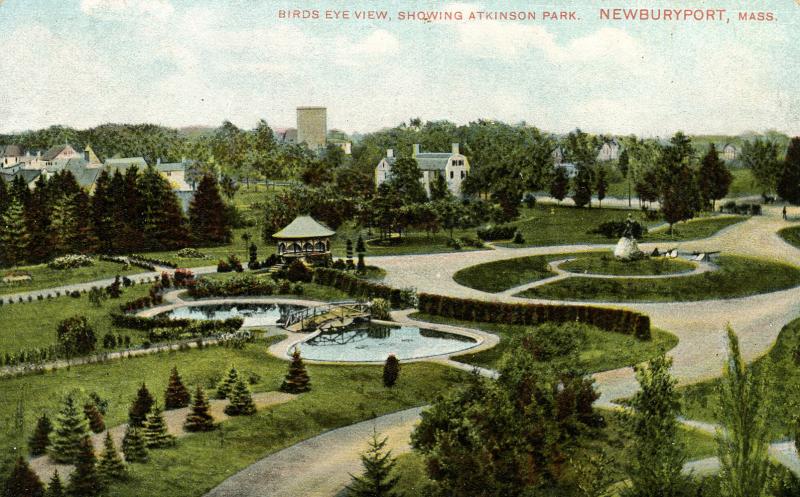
{"x": 376, "y": 45}
{"x": 127, "y": 9}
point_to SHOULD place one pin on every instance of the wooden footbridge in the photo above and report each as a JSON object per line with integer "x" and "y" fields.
{"x": 327, "y": 317}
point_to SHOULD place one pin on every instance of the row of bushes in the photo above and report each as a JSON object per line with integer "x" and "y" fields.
{"x": 617, "y": 229}
{"x": 365, "y": 289}
{"x": 242, "y": 286}
{"x": 140, "y": 323}
{"x": 136, "y": 259}
{"x": 232, "y": 264}
{"x": 616, "y": 320}
{"x": 499, "y": 232}
{"x": 732, "y": 207}
{"x": 266, "y": 263}
{"x": 195, "y": 329}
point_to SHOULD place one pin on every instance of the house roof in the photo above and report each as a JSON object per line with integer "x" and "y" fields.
{"x": 433, "y": 161}
{"x": 53, "y": 152}
{"x": 163, "y": 167}
{"x": 303, "y": 227}
{"x": 29, "y": 175}
{"x": 10, "y": 151}
{"x": 124, "y": 163}
{"x": 79, "y": 167}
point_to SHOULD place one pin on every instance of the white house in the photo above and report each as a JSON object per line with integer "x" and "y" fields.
{"x": 729, "y": 152}
{"x": 453, "y": 166}
{"x": 10, "y": 155}
{"x": 609, "y": 151}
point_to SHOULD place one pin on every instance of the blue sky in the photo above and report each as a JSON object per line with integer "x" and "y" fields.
{"x": 179, "y": 63}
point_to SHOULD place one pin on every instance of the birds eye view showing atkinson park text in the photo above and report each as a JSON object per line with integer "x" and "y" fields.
{"x": 399, "y": 248}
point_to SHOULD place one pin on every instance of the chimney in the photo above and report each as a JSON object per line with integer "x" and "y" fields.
{"x": 389, "y": 153}
{"x": 416, "y": 149}
{"x": 455, "y": 149}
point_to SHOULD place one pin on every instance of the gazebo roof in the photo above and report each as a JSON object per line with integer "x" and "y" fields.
{"x": 303, "y": 227}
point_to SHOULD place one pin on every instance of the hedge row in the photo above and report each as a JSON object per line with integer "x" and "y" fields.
{"x": 140, "y": 323}
{"x": 365, "y": 289}
{"x": 195, "y": 329}
{"x": 239, "y": 286}
{"x": 137, "y": 259}
{"x": 499, "y": 232}
{"x": 616, "y": 320}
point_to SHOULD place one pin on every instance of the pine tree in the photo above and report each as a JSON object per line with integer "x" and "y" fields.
{"x": 789, "y": 182}
{"x": 377, "y": 479}
{"x": 95, "y": 418}
{"x": 141, "y": 406}
{"x": 176, "y": 396}
{"x": 199, "y": 419}
{"x": 111, "y": 469}
{"x": 559, "y": 186}
{"x": 38, "y": 214}
{"x": 296, "y": 381}
{"x": 155, "y": 430}
{"x": 163, "y": 222}
{"x": 226, "y": 385}
{"x": 391, "y": 370}
{"x": 582, "y": 183}
{"x": 71, "y": 428}
{"x": 40, "y": 440}
{"x": 743, "y": 410}
{"x": 55, "y": 488}
{"x": 133, "y": 446}
{"x": 658, "y": 453}
{"x": 23, "y": 482}
{"x": 713, "y": 179}
{"x": 241, "y": 403}
{"x": 208, "y": 214}
{"x": 13, "y": 235}
{"x": 84, "y": 481}
{"x": 601, "y": 184}
{"x": 102, "y": 213}
{"x": 5, "y": 198}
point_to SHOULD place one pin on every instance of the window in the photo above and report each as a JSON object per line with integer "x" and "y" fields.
{"x": 463, "y": 174}
{"x": 451, "y": 174}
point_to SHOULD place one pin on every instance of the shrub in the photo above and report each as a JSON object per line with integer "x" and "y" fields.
{"x": 40, "y": 440}
{"x": 133, "y": 446}
{"x": 241, "y": 402}
{"x": 363, "y": 288}
{"x": 616, "y": 229}
{"x": 391, "y": 370}
{"x": 176, "y": 396}
{"x": 199, "y": 419}
{"x": 518, "y": 238}
{"x": 223, "y": 266}
{"x": 190, "y": 253}
{"x": 380, "y": 309}
{"x": 235, "y": 287}
{"x": 70, "y": 262}
{"x": 298, "y": 271}
{"x": 75, "y": 294}
{"x": 75, "y": 336}
{"x": 499, "y": 232}
{"x": 296, "y": 380}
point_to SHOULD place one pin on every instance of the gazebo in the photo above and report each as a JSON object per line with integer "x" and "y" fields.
{"x": 304, "y": 237}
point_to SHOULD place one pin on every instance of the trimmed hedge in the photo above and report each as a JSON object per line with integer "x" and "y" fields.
{"x": 499, "y": 232}
{"x": 363, "y": 288}
{"x": 195, "y": 329}
{"x": 616, "y": 320}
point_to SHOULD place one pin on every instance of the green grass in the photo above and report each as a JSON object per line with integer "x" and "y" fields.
{"x": 701, "y": 400}
{"x": 736, "y": 277}
{"x": 694, "y": 229}
{"x": 606, "y": 263}
{"x": 30, "y": 325}
{"x": 614, "y": 440}
{"x": 45, "y": 277}
{"x": 501, "y": 275}
{"x": 601, "y": 351}
{"x": 417, "y": 243}
{"x": 791, "y": 236}
{"x": 341, "y": 395}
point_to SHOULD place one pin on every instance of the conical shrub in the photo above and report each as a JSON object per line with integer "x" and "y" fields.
{"x": 110, "y": 467}
{"x": 133, "y": 446}
{"x": 71, "y": 428}
{"x": 95, "y": 418}
{"x": 176, "y": 396}
{"x": 241, "y": 402}
{"x": 296, "y": 380}
{"x": 226, "y": 385}
{"x": 199, "y": 417}
{"x": 155, "y": 430}
{"x": 40, "y": 440}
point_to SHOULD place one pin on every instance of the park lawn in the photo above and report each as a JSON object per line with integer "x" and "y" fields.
{"x": 693, "y": 229}
{"x": 606, "y": 263}
{"x": 340, "y": 396}
{"x": 498, "y": 276}
{"x": 791, "y": 236}
{"x": 237, "y": 247}
{"x": 736, "y": 277}
{"x": 614, "y": 440}
{"x": 418, "y": 243}
{"x": 602, "y": 350}
{"x": 44, "y": 277}
{"x": 33, "y": 324}
{"x": 701, "y": 400}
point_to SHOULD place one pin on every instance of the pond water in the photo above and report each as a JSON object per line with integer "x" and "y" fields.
{"x": 373, "y": 343}
{"x": 253, "y": 314}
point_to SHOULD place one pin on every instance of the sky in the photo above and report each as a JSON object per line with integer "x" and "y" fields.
{"x": 197, "y": 62}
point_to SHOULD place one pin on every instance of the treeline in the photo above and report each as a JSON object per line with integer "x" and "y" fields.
{"x": 128, "y": 212}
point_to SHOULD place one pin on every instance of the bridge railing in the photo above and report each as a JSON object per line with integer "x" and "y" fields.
{"x": 306, "y": 313}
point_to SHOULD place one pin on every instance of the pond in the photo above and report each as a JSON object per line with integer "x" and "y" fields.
{"x": 253, "y": 314}
{"x": 373, "y": 343}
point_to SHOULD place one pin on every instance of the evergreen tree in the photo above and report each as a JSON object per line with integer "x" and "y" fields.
{"x": 133, "y": 445}
{"x": 55, "y": 488}
{"x": 361, "y": 249}
{"x": 208, "y": 214}
{"x": 40, "y": 440}
{"x": 226, "y": 385}
{"x": 559, "y": 186}
{"x": 241, "y": 402}
{"x": 177, "y": 395}
{"x": 111, "y": 469}
{"x": 199, "y": 419}
{"x": 140, "y": 407}
{"x": 71, "y": 428}
{"x": 163, "y": 222}
{"x": 13, "y": 235}
{"x": 253, "y": 251}
{"x": 789, "y": 183}
{"x": 625, "y": 168}
{"x": 658, "y": 453}
{"x": 102, "y": 213}
{"x": 84, "y": 481}
{"x": 743, "y": 409}
{"x": 377, "y": 479}
{"x": 5, "y": 197}
{"x": 38, "y": 214}
{"x": 602, "y": 184}
{"x": 582, "y": 194}
{"x": 391, "y": 370}
{"x": 155, "y": 430}
{"x": 23, "y": 482}
{"x": 714, "y": 179}
{"x": 296, "y": 380}
{"x": 349, "y": 251}
{"x": 95, "y": 418}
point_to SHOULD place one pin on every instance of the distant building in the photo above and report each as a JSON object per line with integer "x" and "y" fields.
{"x": 286, "y": 136}
{"x": 60, "y": 152}
{"x": 729, "y": 152}
{"x": 123, "y": 164}
{"x": 10, "y": 155}
{"x": 312, "y": 127}
{"x": 85, "y": 175}
{"x": 570, "y": 168}
{"x": 558, "y": 156}
{"x": 28, "y": 175}
{"x": 453, "y": 166}
{"x": 609, "y": 151}
{"x": 304, "y": 237}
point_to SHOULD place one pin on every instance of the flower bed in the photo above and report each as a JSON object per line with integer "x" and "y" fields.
{"x": 240, "y": 286}
{"x": 70, "y": 262}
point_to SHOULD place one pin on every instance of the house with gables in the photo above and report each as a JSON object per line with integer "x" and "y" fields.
{"x": 452, "y": 166}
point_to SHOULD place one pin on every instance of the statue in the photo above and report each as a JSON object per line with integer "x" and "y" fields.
{"x": 627, "y": 249}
